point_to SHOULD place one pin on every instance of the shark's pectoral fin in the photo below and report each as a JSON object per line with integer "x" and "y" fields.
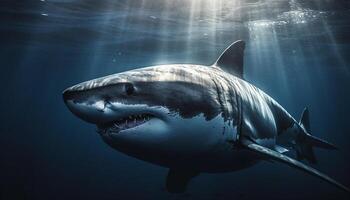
{"x": 178, "y": 179}
{"x": 271, "y": 154}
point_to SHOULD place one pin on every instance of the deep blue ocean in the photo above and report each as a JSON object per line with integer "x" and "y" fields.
{"x": 297, "y": 51}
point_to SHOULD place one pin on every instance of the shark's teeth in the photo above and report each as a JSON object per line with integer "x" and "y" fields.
{"x": 124, "y": 123}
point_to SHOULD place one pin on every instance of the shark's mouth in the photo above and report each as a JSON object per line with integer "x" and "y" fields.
{"x": 124, "y": 123}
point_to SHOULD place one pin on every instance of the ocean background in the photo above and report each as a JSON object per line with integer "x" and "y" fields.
{"x": 297, "y": 51}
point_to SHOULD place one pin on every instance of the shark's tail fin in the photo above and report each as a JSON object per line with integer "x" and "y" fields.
{"x": 305, "y": 141}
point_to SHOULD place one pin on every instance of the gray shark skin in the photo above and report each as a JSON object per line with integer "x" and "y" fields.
{"x": 194, "y": 118}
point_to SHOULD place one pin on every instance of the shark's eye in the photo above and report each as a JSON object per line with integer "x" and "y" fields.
{"x": 129, "y": 89}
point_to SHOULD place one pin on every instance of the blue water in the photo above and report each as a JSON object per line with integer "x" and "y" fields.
{"x": 297, "y": 51}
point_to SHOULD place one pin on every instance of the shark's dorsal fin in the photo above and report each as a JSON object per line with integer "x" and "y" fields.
{"x": 231, "y": 60}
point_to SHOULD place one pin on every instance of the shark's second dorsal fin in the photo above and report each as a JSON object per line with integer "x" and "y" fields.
{"x": 231, "y": 60}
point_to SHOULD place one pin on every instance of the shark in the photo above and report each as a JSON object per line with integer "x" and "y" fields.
{"x": 195, "y": 119}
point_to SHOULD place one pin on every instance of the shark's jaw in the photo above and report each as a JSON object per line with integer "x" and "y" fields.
{"x": 115, "y": 118}
{"x": 124, "y": 123}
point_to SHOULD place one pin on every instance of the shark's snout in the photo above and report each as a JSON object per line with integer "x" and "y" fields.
{"x": 110, "y": 104}
{"x": 88, "y": 106}
{"x": 114, "y": 108}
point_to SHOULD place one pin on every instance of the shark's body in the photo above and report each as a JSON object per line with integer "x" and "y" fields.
{"x": 193, "y": 118}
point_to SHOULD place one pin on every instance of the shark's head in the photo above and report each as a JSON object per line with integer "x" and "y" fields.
{"x": 154, "y": 113}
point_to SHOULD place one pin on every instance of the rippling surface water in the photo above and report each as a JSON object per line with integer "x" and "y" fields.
{"x": 297, "y": 51}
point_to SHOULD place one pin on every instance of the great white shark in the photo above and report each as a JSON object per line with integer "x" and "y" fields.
{"x": 195, "y": 118}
